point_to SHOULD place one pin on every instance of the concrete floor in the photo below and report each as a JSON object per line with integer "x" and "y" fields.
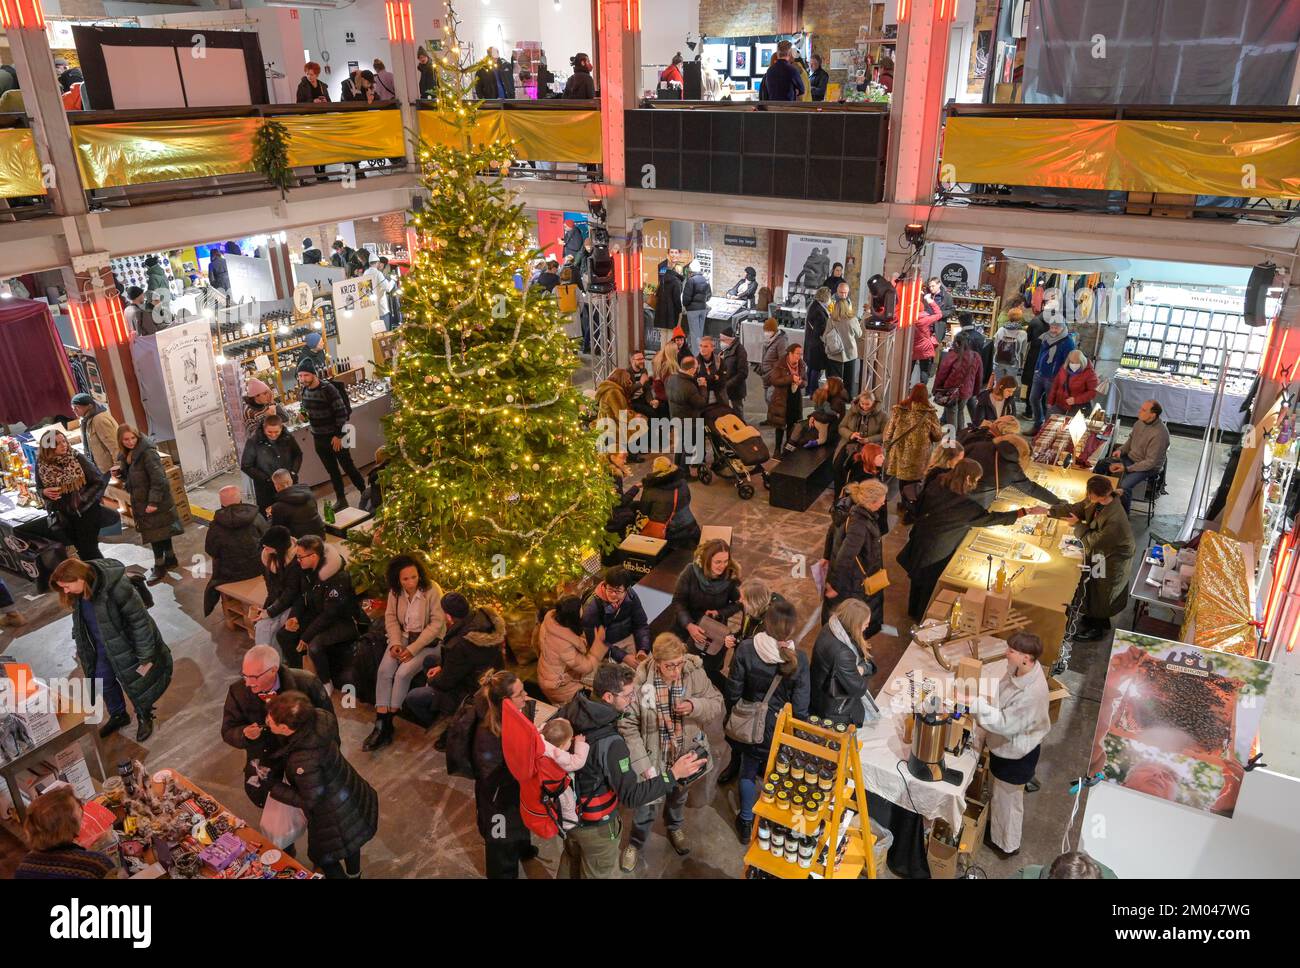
{"x": 427, "y": 824}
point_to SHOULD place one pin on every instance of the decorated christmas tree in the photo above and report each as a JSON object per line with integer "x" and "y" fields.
{"x": 492, "y": 475}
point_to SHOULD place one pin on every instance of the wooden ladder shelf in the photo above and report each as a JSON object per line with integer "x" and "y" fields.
{"x": 849, "y": 793}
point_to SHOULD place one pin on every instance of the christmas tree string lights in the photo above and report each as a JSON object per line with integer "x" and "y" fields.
{"x": 492, "y": 476}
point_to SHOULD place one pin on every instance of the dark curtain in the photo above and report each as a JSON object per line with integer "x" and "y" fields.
{"x": 1170, "y": 52}
{"x": 35, "y": 378}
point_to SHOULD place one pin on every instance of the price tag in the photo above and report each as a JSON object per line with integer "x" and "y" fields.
{"x": 262, "y": 363}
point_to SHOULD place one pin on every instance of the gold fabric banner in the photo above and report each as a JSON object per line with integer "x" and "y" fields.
{"x": 538, "y": 135}
{"x": 20, "y": 166}
{"x": 1219, "y": 600}
{"x": 1242, "y": 159}
{"x": 140, "y": 152}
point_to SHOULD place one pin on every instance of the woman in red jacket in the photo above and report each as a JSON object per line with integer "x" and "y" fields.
{"x": 924, "y": 341}
{"x": 1075, "y": 386}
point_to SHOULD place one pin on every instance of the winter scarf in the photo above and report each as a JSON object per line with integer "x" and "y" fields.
{"x": 63, "y": 472}
{"x": 712, "y": 586}
{"x": 768, "y": 648}
{"x": 669, "y": 720}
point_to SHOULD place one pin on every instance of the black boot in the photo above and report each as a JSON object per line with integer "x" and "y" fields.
{"x": 381, "y": 735}
{"x": 113, "y": 724}
{"x": 143, "y": 727}
{"x": 744, "y": 829}
{"x": 158, "y": 574}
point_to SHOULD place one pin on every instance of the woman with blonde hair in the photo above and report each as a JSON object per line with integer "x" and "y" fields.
{"x": 71, "y": 487}
{"x": 913, "y": 426}
{"x": 708, "y": 586}
{"x": 841, "y": 664}
{"x": 854, "y": 550}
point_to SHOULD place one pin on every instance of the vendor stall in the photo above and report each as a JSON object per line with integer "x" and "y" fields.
{"x": 1041, "y": 556}
{"x": 1184, "y": 400}
{"x": 165, "y": 825}
{"x": 371, "y": 402}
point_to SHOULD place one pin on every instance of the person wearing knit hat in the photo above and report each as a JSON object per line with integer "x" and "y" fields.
{"x": 260, "y": 403}
{"x": 314, "y": 350}
{"x": 311, "y": 256}
{"x": 666, "y": 502}
{"x": 98, "y": 430}
{"x": 327, "y": 412}
{"x": 472, "y": 645}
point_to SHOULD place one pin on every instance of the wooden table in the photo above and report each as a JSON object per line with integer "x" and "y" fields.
{"x": 73, "y": 728}
{"x": 1045, "y": 589}
{"x": 239, "y": 599}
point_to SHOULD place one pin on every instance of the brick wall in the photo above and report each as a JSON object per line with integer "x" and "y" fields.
{"x": 729, "y": 261}
{"x": 737, "y": 18}
{"x": 390, "y": 228}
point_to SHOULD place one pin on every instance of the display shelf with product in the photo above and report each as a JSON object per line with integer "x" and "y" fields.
{"x": 272, "y": 346}
{"x": 811, "y": 817}
{"x": 981, "y": 303}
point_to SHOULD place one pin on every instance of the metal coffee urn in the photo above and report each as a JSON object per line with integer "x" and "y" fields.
{"x": 925, "y": 762}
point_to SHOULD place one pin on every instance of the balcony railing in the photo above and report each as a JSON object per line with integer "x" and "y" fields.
{"x": 557, "y": 140}
{"x": 129, "y": 157}
{"x": 820, "y": 151}
{"x": 1203, "y": 161}
{"x": 23, "y": 191}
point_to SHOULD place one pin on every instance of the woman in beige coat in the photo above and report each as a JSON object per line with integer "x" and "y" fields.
{"x": 912, "y": 428}
{"x": 565, "y": 660}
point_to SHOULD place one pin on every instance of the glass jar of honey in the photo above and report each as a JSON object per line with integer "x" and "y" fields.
{"x": 783, "y": 801}
{"x": 769, "y": 793}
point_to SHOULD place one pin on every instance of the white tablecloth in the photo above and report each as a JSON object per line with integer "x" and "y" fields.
{"x": 884, "y": 754}
{"x": 1187, "y": 405}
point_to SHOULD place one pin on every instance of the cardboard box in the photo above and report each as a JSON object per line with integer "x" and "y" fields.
{"x": 941, "y": 858}
{"x": 639, "y": 554}
{"x": 997, "y": 606}
{"x": 967, "y": 680}
{"x": 972, "y": 610}
{"x": 973, "y": 821}
{"x": 1056, "y": 694}
{"x": 710, "y": 531}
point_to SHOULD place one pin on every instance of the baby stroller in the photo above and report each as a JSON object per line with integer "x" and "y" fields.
{"x": 738, "y": 449}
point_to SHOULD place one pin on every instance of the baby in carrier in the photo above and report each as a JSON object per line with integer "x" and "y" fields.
{"x": 569, "y": 753}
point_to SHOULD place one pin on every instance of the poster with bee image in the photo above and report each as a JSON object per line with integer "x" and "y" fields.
{"x": 1179, "y": 722}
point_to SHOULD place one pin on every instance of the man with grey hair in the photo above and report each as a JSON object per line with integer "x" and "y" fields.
{"x": 243, "y": 722}
{"x": 233, "y": 545}
{"x": 295, "y": 506}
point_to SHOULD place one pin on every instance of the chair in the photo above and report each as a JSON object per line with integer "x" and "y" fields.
{"x": 1149, "y": 490}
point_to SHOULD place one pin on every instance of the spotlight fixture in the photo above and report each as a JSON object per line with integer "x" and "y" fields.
{"x": 915, "y": 234}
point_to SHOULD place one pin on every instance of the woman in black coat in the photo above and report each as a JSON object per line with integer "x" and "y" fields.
{"x": 153, "y": 509}
{"x": 855, "y": 551}
{"x": 119, "y": 647}
{"x": 310, "y": 89}
{"x": 342, "y": 809}
{"x": 709, "y": 585}
{"x": 944, "y": 515}
{"x": 71, "y": 487}
{"x": 756, "y": 663}
{"x": 506, "y": 841}
{"x": 666, "y": 498}
{"x": 814, "y": 331}
{"x": 841, "y": 664}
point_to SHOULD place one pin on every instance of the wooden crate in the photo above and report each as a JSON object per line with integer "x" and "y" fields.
{"x": 238, "y": 600}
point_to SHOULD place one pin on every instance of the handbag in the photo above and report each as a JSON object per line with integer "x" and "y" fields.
{"x": 659, "y": 529}
{"x": 748, "y": 720}
{"x": 874, "y": 583}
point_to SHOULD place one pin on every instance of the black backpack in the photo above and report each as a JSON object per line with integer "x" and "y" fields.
{"x": 1008, "y": 350}
{"x": 459, "y": 739}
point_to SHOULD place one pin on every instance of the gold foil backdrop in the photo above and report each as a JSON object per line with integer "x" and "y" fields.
{"x": 20, "y": 167}
{"x": 1219, "y": 600}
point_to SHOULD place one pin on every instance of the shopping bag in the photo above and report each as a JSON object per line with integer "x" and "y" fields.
{"x": 282, "y": 824}
{"x": 820, "y": 569}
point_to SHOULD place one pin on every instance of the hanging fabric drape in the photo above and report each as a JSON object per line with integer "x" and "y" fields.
{"x": 572, "y": 136}
{"x": 20, "y": 166}
{"x": 37, "y": 379}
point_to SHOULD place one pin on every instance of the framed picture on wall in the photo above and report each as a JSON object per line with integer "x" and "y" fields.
{"x": 715, "y": 57}
{"x": 763, "y": 54}
{"x": 740, "y": 61}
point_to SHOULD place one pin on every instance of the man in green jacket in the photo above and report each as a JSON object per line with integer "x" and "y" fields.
{"x": 1108, "y": 547}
